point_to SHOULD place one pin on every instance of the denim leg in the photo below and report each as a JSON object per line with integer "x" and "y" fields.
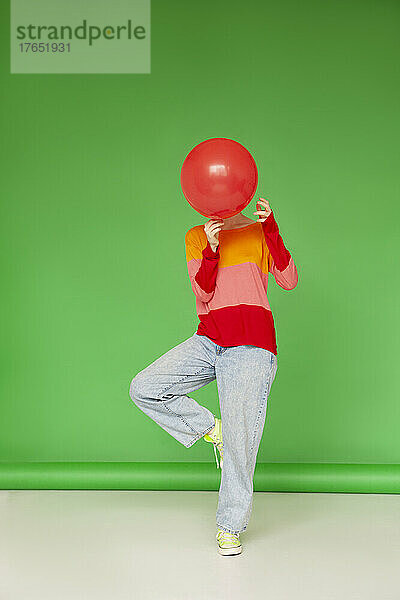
{"x": 161, "y": 389}
{"x": 244, "y": 377}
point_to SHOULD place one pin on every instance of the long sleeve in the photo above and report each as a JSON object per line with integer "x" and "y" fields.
{"x": 281, "y": 263}
{"x": 202, "y": 267}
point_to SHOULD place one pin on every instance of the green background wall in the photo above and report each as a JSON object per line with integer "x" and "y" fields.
{"x": 93, "y": 270}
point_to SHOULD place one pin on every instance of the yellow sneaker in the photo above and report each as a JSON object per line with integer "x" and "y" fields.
{"x": 215, "y": 437}
{"x": 228, "y": 543}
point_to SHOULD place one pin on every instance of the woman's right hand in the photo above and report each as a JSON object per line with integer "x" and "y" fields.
{"x": 212, "y": 229}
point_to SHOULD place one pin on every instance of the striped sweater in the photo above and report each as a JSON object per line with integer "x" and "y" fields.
{"x": 230, "y": 284}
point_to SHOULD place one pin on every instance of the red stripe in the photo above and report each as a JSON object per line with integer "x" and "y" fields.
{"x": 240, "y": 325}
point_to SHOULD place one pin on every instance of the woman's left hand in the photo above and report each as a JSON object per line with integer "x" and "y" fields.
{"x": 264, "y": 214}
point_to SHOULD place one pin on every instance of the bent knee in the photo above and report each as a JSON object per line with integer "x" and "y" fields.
{"x": 135, "y": 389}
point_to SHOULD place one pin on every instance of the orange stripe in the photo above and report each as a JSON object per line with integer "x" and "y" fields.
{"x": 231, "y": 253}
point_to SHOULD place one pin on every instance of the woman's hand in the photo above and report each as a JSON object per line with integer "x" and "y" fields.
{"x": 212, "y": 229}
{"x": 264, "y": 214}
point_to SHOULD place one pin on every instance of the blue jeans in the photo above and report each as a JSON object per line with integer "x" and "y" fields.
{"x": 244, "y": 376}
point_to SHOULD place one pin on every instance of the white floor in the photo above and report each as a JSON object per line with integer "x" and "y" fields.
{"x": 75, "y": 545}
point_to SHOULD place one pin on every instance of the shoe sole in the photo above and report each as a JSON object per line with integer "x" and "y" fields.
{"x": 230, "y": 551}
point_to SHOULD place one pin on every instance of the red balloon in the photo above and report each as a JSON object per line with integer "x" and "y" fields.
{"x": 219, "y": 178}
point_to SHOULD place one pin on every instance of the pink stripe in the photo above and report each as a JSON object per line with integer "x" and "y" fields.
{"x": 244, "y": 283}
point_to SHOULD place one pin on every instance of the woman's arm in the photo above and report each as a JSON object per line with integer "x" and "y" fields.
{"x": 202, "y": 264}
{"x": 280, "y": 262}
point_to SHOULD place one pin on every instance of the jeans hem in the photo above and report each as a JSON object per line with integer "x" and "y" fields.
{"x": 230, "y": 530}
{"x": 200, "y": 435}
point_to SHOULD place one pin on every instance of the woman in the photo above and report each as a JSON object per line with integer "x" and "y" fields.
{"x": 228, "y": 263}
